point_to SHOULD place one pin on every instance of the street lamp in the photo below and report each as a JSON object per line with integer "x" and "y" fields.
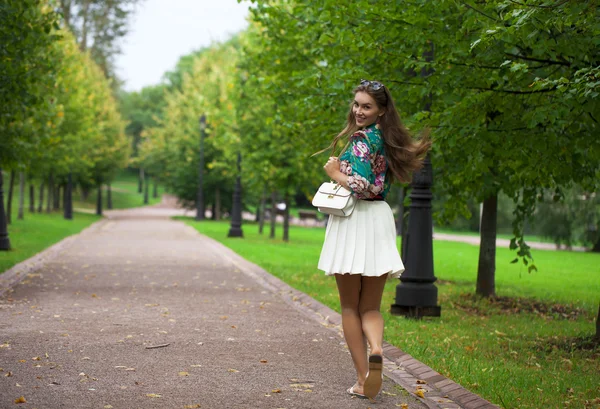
{"x": 416, "y": 295}
{"x": 200, "y": 212}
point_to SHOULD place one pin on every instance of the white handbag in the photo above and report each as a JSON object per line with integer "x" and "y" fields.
{"x": 333, "y": 198}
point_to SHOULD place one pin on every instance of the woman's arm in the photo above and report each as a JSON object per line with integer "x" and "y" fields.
{"x": 332, "y": 167}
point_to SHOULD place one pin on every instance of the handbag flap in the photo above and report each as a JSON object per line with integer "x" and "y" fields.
{"x": 334, "y": 189}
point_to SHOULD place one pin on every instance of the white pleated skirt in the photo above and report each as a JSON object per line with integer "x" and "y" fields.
{"x": 363, "y": 243}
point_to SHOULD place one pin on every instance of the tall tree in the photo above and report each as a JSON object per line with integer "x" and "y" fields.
{"x": 99, "y": 26}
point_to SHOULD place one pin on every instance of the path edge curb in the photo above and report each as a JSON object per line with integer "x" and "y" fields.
{"x": 400, "y": 367}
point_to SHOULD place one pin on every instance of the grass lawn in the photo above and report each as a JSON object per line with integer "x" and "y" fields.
{"x": 39, "y": 231}
{"x": 525, "y": 350}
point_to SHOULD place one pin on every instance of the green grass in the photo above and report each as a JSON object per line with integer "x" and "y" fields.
{"x": 518, "y": 352}
{"x": 39, "y": 231}
{"x": 124, "y": 194}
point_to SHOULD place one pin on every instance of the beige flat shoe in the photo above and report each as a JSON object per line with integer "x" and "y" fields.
{"x": 374, "y": 377}
{"x": 358, "y": 395}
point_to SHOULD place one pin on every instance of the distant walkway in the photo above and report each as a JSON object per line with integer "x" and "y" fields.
{"x": 501, "y": 242}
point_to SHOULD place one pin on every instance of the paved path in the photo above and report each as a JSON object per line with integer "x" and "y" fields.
{"x": 140, "y": 311}
{"x": 80, "y": 331}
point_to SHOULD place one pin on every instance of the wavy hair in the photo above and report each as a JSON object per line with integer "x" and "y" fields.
{"x": 404, "y": 154}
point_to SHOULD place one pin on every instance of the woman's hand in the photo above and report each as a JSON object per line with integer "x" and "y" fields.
{"x": 332, "y": 167}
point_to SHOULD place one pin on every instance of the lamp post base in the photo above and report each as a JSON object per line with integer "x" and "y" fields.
{"x": 235, "y": 232}
{"x": 411, "y": 311}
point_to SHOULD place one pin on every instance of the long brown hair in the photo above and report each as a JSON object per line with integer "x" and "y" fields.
{"x": 404, "y": 154}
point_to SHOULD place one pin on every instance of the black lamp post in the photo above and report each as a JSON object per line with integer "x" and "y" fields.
{"x": 236, "y": 214}
{"x": 4, "y": 241}
{"x": 200, "y": 210}
{"x": 416, "y": 295}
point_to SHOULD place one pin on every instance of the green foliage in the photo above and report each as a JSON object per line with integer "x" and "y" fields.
{"x": 509, "y": 342}
{"x": 508, "y": 87}
{"x": 27, "y": 64}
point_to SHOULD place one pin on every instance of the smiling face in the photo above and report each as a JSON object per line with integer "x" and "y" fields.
{"x": 365, "y": 109}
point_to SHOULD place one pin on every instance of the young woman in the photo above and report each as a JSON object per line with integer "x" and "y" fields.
{"x": 360, "y": 250}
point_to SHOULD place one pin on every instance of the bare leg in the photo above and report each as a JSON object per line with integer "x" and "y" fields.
{"x": 349, "y": 288}
{"x": 369, "y": 309}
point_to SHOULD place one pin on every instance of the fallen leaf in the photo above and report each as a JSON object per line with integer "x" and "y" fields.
{"x": 263, "y": 361}
{"x": 420, "y": 393}
{"x": 108, "y": 407}
{"x": 20, "y": 400}
{"x": 301, "y": 385}
{"x": 388, "y": 393}
{"x": 421, "y": 381}
{"x": 153, "y": 395}
{"x": 184, "y": 374}
{"x": 233, "y": 370}
{"x": 36, "y": 358}
{"x": 276, "y": 391}
{"x": 403, "y": 405}
{"x": 197, "y": 405}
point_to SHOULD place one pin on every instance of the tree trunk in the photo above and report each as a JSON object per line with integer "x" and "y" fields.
{"x": 598, "y": 324}
{"x": 99, "y": 201}
{"x": 486, "y": 269}
{"x": 57, "y": 197}
{"x": 155, "y": 189}
{"x": 11, "y": 189}
{"x": 31, "y": 198}
{"x": 21, "y": 214}
{"x": 41, "y": 201}
{"x": 273, "y": 213}
{"x": 141, "y": 181}
{"x": 213, "y": 211}
{"x": 261, "y": 220}
{"x": 109, "y": 204}
{"x": 84, "y": 27}
{"x": 50, "y": 192}
{"x": 218, "y": 204}
{"x": 68, "y": 199}
{"x": 146, "y": 189}
{"x": 4, "y": 240}
{"x": 286, "y": 219}
{"x": 596, "y": 248}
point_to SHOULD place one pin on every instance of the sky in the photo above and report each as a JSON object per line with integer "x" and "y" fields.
{"x": 162, "y": 31}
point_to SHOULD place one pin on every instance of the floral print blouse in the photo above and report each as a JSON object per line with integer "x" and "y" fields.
{"x": 365, "y": 164}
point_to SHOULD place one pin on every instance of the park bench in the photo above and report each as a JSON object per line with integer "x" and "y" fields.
{"x": 306, "y": 215}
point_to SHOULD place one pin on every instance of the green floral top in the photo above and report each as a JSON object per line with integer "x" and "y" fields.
{"x": 365, "y": 164}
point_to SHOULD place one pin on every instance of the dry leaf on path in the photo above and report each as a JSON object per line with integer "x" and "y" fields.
{"x": 263, "y": 361}
{"x": 197, "y": 405}
{"x": 421, "y": 381}
{"x": 420, "y": 393}
{"x": 276, "y": 391}
{"x": 233, "y": 370}
{"x": 153, "y": 395}
{"x": 184, "y": 374}
{"x": 20, "y": 399}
